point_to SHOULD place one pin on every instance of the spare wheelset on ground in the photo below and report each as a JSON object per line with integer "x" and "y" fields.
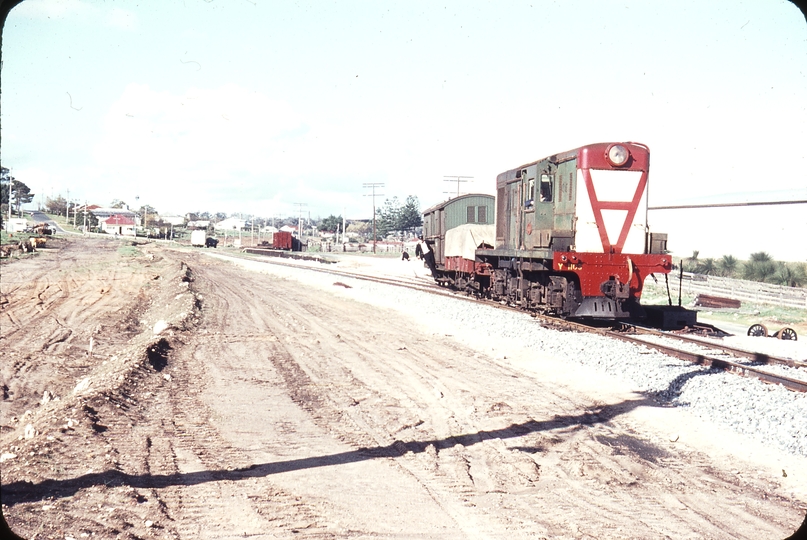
{"x": 760, "y": 330}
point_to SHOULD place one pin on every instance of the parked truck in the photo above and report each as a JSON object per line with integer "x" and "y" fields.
{"x": 198, "y": 238}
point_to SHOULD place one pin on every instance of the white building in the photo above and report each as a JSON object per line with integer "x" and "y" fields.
{"x": 118, "y": 224}
{"x": 230, "y": 224}
{"x": 16, "y": 225}
{"x": 173, "y": 220}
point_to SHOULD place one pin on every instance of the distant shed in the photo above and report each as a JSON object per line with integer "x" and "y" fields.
{"x": 475, "y": 208}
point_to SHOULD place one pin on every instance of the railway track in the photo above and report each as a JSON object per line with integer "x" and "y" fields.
{"x": 696, "y": 350}
{"x": 731, "y": 359}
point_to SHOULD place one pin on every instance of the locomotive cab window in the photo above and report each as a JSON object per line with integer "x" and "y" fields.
{"x": 529, "y": 194}
{"x": 545, "y": 189}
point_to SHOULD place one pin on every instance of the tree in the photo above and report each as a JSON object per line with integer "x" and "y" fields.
{"x": 91, "y": 220}
{"x": 727, "y": 266}
{"x": 360, "y": 227}
{"x": 394, "y": 216}
{"x": 149, "y": 214}
{"x": 387, "y": 217}
{"x": 117, "y": 203}
{"x": 331, "y": 224}
{"x": 791, "y": 275}
{"x": 761, "y": 267}
{"x": 5, "y": 183}
{"x": 19, "y": 193}
{"x": 410, "y": 216}
{"x": 707, "y": 267}
{"x": 692, "y": 262}
{"x": 56, "y": 206}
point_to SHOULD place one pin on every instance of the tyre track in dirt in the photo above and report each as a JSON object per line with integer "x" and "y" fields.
{"x": 435, "y": 392}
{"x": 490, "y": 444}
{"x": 316, "y": 427}
{"x": 293, "y": 410}
{"x": 46, "y": 298}
{"x": 81, "y": 463}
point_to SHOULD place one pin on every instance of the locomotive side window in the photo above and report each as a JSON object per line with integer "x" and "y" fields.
{"x": 482, "y": 214}
{"x": 529, "y": 194}
{"x": 546, "y": 188}
{"x": 470, "y": 212}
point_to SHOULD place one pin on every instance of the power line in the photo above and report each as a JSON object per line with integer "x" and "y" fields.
{"x": 458, "y": 180}
{"x": 373, "y": 185}
{"x": 299, "y": 206}
{"x": 723, "y": 205}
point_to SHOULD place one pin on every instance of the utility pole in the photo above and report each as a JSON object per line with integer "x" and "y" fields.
{"x": 300, "y": 218}
{"x": 373, "y": 185}
{"x": 85, "y": 216}
{"x": 67, "y": 206}
{"x": 458, "y": 180}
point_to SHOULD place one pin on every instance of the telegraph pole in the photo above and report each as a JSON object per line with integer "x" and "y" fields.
{"x": 300, "y": 219}
{"x": 373, "y": 185}
{"x": 458, "y": 180}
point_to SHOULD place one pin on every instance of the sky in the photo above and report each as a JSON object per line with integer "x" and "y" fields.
{"x": 279, "y": 108}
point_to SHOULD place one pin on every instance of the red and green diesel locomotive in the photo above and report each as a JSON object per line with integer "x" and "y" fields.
{"x": 571, "y": 237}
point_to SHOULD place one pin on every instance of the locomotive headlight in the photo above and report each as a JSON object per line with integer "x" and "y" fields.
{"x": 617, "y": 154}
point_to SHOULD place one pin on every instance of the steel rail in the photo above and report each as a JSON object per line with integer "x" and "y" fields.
{"x": 726, "y": 365}
{"x": 726, "y": 349}
{"x": 697, "y": 358}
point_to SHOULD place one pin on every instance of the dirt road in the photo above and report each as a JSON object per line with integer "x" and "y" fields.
{"x": 224, "y": 403}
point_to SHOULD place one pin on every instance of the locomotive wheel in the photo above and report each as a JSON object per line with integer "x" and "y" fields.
{"x": 787, "y": 334}
{"x": 758, "y": 330}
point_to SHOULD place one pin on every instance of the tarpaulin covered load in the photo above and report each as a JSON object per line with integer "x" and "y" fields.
{"x": 464, "y": 240}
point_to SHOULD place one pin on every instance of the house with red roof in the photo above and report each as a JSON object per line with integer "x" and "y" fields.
{"x": 118, "y": 224}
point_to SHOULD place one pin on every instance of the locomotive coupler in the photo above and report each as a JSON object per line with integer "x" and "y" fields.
{"x": 615, "y": 289}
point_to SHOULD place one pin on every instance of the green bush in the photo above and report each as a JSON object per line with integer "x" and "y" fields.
{"x": 129, "y": 251}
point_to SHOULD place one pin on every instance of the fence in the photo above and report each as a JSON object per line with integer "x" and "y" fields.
{"x": 365, "y": 247}
{"x": 737, "y": 289}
